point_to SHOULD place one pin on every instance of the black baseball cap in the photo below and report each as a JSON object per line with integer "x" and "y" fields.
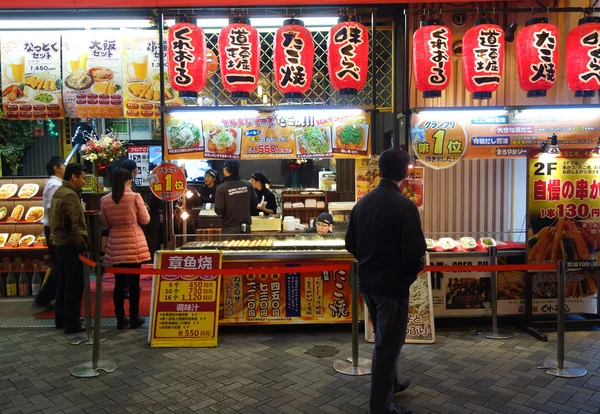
{"x": 325, "y": 218}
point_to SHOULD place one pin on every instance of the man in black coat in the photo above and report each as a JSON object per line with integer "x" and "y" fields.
{"x": 234, "y": 200}
{"x": 385, "y": 237}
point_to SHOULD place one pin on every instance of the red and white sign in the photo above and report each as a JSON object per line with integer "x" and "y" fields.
{"x": 537, "y": 57}
{"x": 583, "y": 51}
{"x": 348, "y": 56}
{"x": 431, "y": 58}
{"x": 168, "y": 182}
{"x": 186, "y": 49}
{"x": 483, "y": 58}
{"x": 239, "y": 57}
{"x": 293, "y": 59}
{"x": 139, "y": 154}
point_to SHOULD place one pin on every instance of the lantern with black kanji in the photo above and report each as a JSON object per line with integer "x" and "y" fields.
{"x": 293, "y": 59}
{"x": 431, "y": 57}
{"x": 583, "y": 57}
{"x": 186, "y": 55}
{"x": 239, "y": 57}
{"x": 483, "y": 58}
{"x": 348, "y": 55}
{"x": 537, "y": 56}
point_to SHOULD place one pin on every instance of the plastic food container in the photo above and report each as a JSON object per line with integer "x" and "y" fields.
{"x": 468, "y": 243}
{"x": 289, "y": 223}
{"x": 487, "y": 242}
{"x": 430, "y": 244}
{"x": 447, "y": 243}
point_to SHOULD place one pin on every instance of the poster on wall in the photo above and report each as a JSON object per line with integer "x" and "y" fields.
{"x": 31, "y": 79}
{"x": 140, "y": 155}
{"x": 412, "y": 186}
{"x": 141, "y": 75}
{"x": 564, "y": 224}
{"x": 252, "y": 135}
{"x": 317, "y": 297}
{"x": 366, "y": 174}
{"x": 93, "y": 84}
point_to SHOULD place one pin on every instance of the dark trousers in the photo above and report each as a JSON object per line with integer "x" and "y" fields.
{"x": 133, "y": 281}
{"x": 390, "y": 318}
{"x": 69, "y": 290}
{"x": 48, "y": 292}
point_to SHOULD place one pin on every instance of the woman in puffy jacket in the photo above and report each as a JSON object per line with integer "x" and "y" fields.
{"x": 122, "y": 212}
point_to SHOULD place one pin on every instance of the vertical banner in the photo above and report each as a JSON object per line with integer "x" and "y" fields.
{"x": 93, "y": 84}
{"x": 366, "y": 173}
{"x": 141, "y": 75}
{"x": 564, "y": 224}
{"x": 31, "y": 81}
{"x": 413, "y": 186}
{"x": 139, "y": 154}
{"x": 185, "y": 311}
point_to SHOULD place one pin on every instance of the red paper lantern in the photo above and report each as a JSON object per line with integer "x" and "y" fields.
{"x": 537, "y": 56}
{"x": 293, "y": 57}
{"x": 186, "y": 55}
{"x": 583, "y": 57}
{"x": 483, "y": 58}
{"x": 239, "y": 57}
{"x": 431, "y": 58}
{"x": 348, "y": 55}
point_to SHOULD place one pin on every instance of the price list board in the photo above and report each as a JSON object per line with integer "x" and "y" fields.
{"x": 185, "y": 308}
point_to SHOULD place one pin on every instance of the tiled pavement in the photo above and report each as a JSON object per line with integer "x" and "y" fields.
{"x": 267, "y": 370}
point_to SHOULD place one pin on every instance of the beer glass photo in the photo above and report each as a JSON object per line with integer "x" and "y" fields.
{"x": 139, "y": 65}
{"x": 16, "y": 67}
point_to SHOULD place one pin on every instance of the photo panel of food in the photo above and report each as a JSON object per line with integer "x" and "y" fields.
{"x": 222, "y": 142}
{"x": 184, "y": 136}
{"x": 351, "y": 137}
{"x": 31, "y": 77}
{"x": 313, "y": 142}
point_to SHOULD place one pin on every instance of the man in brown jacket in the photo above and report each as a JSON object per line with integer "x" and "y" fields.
{"x": 70, "y": 236}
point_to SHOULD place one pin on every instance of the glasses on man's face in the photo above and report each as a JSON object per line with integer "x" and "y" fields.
{"x": 322, "y": 225}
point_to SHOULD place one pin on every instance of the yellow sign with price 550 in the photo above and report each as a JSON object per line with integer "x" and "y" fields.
{"x": 168, "y": 182}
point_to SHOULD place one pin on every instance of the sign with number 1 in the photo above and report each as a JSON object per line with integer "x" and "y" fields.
{"x": 168, "y": 182}
{"x": 439, "y": 143}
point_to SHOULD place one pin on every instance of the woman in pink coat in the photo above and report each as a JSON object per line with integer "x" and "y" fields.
{"x": 122, "y": 212}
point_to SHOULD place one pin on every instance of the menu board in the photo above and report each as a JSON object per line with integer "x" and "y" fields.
{"x": 31, "y": 81}
{"x": 141, "y": 75}
{"x": 313, "y": 297}
{"x": 139, "y": 154}
{"x": 92, "y": 70}
{"x": 366, "y": 173}
{"x": 564, "y": 223}
{"x": 184, "y": 310}
{"x": 268, "y": 135}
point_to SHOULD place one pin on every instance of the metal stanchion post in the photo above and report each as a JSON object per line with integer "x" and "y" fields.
{"x": 90, "y": 369}
{"x": 495, "y": 332}
{"x": 560, "y": 367}
{"x": 354, "y": 365}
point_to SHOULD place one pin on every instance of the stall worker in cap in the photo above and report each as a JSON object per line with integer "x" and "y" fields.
{"x": 265, "y": 197}
{"x": 322, "y": 224}
{"x": 207, "y": 192}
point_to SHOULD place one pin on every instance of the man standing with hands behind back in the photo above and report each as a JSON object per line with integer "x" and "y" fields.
{"x": 385, "y": 237}
{"x": 234, "y": 200}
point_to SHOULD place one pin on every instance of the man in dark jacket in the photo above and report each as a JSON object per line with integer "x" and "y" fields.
{"x": 234, "y": 200}
{"x": 70, "y": 236}
{"x": 385, "y": 237}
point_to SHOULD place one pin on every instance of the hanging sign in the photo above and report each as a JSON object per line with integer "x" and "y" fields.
{"x": 583, "y": 48}
{"x": 348, "y": 55}
{"x": 185, "y": 307}
{"x": 93, "y": 84}
{"x": 293, "y": 59}
{"x": 141, "y": 75}
{"x": 431, "y": 58}
{"x": 186, "y": 57}
{"x": 537, "y": 56}
{"x": 167, "y": 182}
{"x": 483, "y": 58}
{"x": 31, "y": 78}
{"x": 239, "y": 57}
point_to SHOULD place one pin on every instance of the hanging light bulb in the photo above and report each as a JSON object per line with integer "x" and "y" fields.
{"x": 189, "y": 194}
{"x": 185, "y": 215}
{"x": 259, "y": 90}
{"x": 265, "y": 99}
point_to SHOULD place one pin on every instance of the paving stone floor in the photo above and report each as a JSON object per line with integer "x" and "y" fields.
{"x": 267, "y": 370}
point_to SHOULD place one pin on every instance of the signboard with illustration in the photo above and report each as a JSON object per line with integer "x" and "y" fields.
{"x": 366, "y": 172}
{"x": 564, "y": 223}
{"x": 141, "y": 75}
{"x": 31, "y": 79}
{"x": 93, "y": 84}
{"x": 412, "y": 186}
{"x": 268, "y": 135}
{"x": 441, "y": 138}
{"x": 185, "y": 308}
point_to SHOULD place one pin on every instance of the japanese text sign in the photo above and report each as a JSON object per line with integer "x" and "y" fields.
{"x": 168, "y": 182}
{"x": 185, "y": 309}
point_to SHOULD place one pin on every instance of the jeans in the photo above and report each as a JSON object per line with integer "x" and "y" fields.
{"x": 390, "y": 318}
{"x": 133, "y": 281}
{"x": 69, "y": 290}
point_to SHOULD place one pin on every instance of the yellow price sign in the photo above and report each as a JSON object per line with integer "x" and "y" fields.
{"x": 187, "y": 291}
{"x": 185, "y": 324}
{"x": 439, "y": 143}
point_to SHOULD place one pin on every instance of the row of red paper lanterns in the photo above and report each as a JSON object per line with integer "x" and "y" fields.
{"x": 483, "y": 57}
{"x": 293, "y": 57}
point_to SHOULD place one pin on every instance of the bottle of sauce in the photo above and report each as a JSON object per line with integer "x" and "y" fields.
{"x": 11, "y": 283}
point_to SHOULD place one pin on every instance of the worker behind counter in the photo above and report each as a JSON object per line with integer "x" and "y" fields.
{"x": 235, "y": 199}
{"x": 265, "y": 197}
{"x": 208, "y": 191}
{"x": 322, "y": 224}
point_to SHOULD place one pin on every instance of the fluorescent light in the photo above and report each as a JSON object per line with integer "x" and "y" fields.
{"x": 319, "y": 112}
{"x": 75, "y": 24}
{"x": 270, "y": 22}
{"x": 461, "y": 114}
{"x": 223, "y": 113}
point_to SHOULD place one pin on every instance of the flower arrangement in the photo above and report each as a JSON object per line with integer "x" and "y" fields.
{"x": 104, "y": 150}
{"x": 295, "y": 164}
